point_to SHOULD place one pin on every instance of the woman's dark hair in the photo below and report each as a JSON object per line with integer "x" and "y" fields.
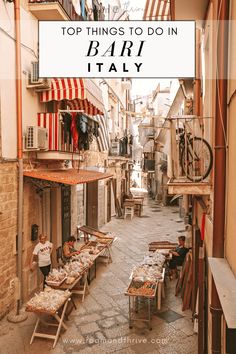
{"x": 71, "y": 239}
{"x": 182, "y": 238}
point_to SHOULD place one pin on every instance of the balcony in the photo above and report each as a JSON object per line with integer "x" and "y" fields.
{"x": 60, "y": 137}
{"x": 61, "y": 10}
{"x": 190, "y": 157}
{"x": 121, "y": 147}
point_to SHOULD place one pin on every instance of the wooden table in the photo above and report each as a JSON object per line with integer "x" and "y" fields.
{"x": 90, "y": 231}
{"x": 134, "y": 306}
{"x": 60, "y": 319}
{"x": 137, "y": 203}
{"x": 105, "y": 250}
{"x": 157, "y": 297}
{"x": 74, "y": 287}
{"x": 153, "y": 246}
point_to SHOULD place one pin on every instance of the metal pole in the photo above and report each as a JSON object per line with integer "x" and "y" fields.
{"x": 220, "y": 164}
{"x": 19, "y": 149}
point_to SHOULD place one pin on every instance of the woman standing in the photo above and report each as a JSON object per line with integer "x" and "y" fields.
{"x": 42, "y": 252}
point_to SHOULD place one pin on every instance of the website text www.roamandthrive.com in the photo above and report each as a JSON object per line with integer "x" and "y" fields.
{"x": 121, "y": 340}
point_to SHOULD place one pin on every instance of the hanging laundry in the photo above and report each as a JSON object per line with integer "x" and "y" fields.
{"x": 66, "y": 118}
{"x": 95, "y": 10}
{"x": 74, "y": 132}
{"x": 90, "y": 131}
{"x": 77, "y": 7}
{"x": 89, "y": 4}
{"x": 101, "y": 12}
{"x": 131, "y": 139}
{"x": 95, "y": 129}
{"x": 125, "y": 145}
{"x": 83, "y": 122}
{"x": 83, "y": 10}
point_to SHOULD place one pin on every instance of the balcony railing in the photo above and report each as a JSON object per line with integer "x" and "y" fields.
{"x": 122, "y": 147}
{"x": 190, "y": 152}
{"x": 66, "y": 5}
{"x": 60, "y": 135}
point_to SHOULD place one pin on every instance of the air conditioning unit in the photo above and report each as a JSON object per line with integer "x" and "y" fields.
{"x": 36, "y": 138}
{"x": 34, "y": 81}
{"x": 115, "y": 148}
{"x": 35, "y": 73}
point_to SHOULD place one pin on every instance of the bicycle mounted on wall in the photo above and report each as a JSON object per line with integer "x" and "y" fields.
{"x": 190, "y": 148}
{"x": 195, "y": 154}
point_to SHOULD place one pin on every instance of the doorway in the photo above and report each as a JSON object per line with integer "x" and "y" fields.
{"x": 108, "y": 200}
{"x": 92, "y": 205}
{"x": 66, "y": 212}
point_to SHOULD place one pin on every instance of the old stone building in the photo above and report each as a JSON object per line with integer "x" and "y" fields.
{"x": 66, "y": 182}
{"x": 8, "y": 232}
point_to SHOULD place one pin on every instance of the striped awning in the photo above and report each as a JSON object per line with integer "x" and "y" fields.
{"x": 157, "y": 10}
{"x": 82, "y": 94}
{"x": 103, "y": 135}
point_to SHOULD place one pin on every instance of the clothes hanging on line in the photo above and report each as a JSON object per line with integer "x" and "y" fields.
{"x": 74, "y": 133}
{"x": 66, "y": 119}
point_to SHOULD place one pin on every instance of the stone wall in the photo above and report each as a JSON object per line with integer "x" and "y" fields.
{"x": 8, "y": 231}
{"x": 74, "y": 211}
{"x": 32, "y": 215}
{"x": 101, "y": 203}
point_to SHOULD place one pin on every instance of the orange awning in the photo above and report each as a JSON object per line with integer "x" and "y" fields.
{"x": 157, "y": 10}
{"x": 71, "y": 176}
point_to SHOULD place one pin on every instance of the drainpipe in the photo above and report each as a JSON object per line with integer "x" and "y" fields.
{"x": 172, "y": 10}
{"x": 19, "y": 150}
{"x": 220, "y": 164}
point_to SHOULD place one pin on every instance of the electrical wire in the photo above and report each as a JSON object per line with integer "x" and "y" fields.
{"x": 22, "y": 44}
{"x": 8, "y": 15}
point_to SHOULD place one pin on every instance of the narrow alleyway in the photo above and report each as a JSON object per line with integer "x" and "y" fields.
{"x": 100, "y": 324}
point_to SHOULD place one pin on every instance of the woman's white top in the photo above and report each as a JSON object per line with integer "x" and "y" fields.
{"x": 43, "y": 251}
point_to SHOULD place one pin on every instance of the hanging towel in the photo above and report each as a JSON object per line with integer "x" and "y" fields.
{"x": 74, "y": 132}
{"x": 77, "y": 7}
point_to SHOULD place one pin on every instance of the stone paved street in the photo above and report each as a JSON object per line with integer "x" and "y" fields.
{"x": 100, "y": 324}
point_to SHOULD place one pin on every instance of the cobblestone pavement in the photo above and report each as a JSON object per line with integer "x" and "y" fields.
{"x": 100, "y": 324}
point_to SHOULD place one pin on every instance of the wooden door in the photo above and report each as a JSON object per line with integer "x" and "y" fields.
{"x": 123, "y": 190}
{"x": 109, "y": 200}
{"x": 66, "y": 212}
{"x": 92, "y": 204}
{"x": 114, "y": 185}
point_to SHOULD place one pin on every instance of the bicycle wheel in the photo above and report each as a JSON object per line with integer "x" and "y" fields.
{"x": 197, "y": 160}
